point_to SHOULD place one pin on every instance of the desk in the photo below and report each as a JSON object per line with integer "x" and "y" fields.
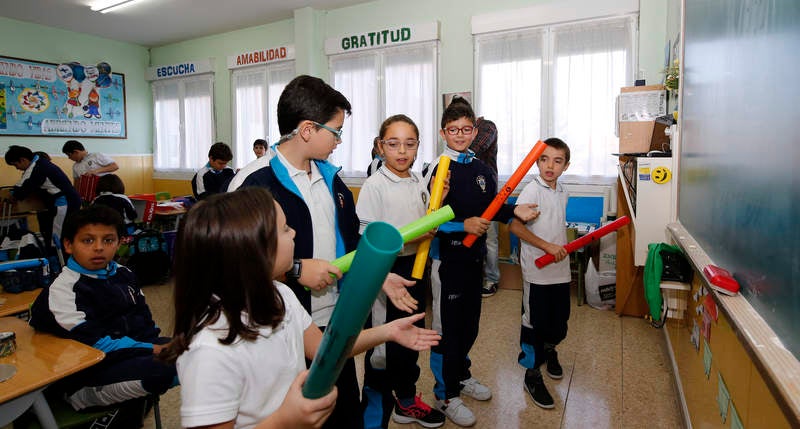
{"x": 41, "y": 359}
{"x": 166, "y": 219}
{"x": 15, "y": 303}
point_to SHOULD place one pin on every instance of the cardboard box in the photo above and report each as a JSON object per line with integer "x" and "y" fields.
{"x": 638, "y": 107}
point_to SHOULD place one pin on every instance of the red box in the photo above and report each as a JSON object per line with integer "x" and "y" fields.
{"x": 87, "y": 186}
{"x": 146, "y": 208}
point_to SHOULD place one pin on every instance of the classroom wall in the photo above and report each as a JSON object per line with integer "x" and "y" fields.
{"x": 308, "y": 29}
{"x": 47, "y": 44}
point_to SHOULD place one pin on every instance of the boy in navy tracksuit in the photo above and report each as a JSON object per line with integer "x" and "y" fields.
{"x": 97, "y": 302}
{"x": 457, "y": 270}
{"x": 111, "y": 192}
{"x": 321, "y": 210}
{"x": 213, "y": 177}
{"x": 40, "y": 176}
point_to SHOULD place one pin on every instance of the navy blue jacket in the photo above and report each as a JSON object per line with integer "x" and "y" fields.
{"x": 472, "y": 189}
{"x": 43, "y": 175}
{"x": 207, "y": 182}
{"x": 275, "y": 177}
{"x": 104, "y": 309}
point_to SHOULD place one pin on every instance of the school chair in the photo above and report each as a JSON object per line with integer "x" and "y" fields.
{"x": 584, "y": 214}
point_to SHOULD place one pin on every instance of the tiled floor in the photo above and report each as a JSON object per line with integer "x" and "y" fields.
{"x": 616, "y": 371}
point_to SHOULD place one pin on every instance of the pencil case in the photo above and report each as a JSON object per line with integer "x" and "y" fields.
{"x": 8, "y": 343}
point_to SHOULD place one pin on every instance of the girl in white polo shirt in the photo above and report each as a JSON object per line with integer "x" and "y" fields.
{"x": 240, "y": 335}
{"x": 398, "y": 196}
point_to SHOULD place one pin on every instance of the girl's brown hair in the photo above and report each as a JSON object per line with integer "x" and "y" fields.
{"x": 224, "y": 258}
{"x": 392, "y": 119}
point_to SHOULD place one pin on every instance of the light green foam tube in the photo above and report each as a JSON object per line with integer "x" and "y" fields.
{"x": 408, "y": 232}
{"x": 376, "y": 253}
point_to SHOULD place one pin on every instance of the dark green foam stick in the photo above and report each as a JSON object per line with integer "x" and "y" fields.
{"x": 375, "y": 255}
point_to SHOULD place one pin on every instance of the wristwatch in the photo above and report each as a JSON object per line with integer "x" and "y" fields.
{"x": 294, "y": 273}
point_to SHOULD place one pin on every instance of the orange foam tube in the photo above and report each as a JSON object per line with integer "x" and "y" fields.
{"x": 508, "y": 188}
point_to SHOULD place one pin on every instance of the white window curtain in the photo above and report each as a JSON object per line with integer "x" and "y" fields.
{"x": 381, "y": 83}
{"x": 255, "y": 102}
{"x": 184, "y": 122}
{"x": 561, "y": 81}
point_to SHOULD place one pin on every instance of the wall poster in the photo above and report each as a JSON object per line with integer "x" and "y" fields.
{"x": 69, "y": 99}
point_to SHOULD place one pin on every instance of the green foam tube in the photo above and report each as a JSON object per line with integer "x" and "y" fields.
{"x": 376, "y": 253}
{"x": 408, "y": 232}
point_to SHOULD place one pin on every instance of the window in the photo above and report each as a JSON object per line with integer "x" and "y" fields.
{"x": 559, "y": 80}
{"x": 381, "y": 83}
{"x": 255, "y": 104}
{"x": 184, "y": 122}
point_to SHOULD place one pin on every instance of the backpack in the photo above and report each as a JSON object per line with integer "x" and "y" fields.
{"x": 148, "y": 257}
{"x": 28, "y": 249}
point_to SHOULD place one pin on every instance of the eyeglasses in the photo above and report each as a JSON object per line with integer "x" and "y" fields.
{"x": 453, "y": 131}
{"x": 394, "y": 144}
{"x": 336, "y": 133}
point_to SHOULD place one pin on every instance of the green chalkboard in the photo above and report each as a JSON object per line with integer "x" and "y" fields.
{"x": 739, "y": 187}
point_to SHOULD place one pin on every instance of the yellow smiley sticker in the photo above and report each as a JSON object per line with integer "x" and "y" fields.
{"x": 661, "y": 175}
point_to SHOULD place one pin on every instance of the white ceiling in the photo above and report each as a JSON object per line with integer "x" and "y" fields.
{"x": 158, "y": 22}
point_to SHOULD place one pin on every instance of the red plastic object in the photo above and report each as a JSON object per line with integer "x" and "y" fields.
{"x": 721, "y": 280}
{"x": 508, "y": 188}
{"x": 149, "y": 208}
{"x": 87, "y": 185}
{"x": 586, "y": 239}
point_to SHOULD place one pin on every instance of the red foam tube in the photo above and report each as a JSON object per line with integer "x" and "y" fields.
{"x": 586, "y": 239}
{"x": 508, "y": 188}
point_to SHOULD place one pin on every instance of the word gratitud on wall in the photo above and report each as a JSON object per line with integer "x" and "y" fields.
{"x": 67, "y": 99}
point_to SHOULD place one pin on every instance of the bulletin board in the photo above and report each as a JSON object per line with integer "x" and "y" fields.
{"x": 68, "y": 99}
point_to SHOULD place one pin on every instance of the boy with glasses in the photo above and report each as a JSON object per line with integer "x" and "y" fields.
{"x": 321, "y": 210}
{"x": 457, "y": 270}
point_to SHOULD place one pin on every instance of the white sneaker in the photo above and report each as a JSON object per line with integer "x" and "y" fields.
{"x": 456, "y": 411}
{"x": 475, "y": 390}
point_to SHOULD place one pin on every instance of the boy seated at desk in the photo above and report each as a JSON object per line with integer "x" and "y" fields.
{"x": 97, "y": 302}
{"x": 213, "y": 177}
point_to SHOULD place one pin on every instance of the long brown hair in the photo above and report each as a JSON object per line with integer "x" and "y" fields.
{"x": 224, "y": 258}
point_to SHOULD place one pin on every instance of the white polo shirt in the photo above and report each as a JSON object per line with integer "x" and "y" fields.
{"x": 245, "y": 381}
{"x": 551, "y": 226}
{"x": 320, "y": 205}
{"x": 392, "y": 199}
{"x": 90, "y": 162}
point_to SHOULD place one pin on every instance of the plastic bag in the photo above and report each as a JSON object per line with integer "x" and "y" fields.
{"x": 601, "y": 288}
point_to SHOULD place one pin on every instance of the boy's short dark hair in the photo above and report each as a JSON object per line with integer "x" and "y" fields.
{"x": 308, "y": 98}
{"x": 16, "y": 153}
{"x": 557, "y": 143}
{"x": 260, "y": 142}
{"x": 458, "y": 108}
{"x": 71, "y": 146}
{"x": 110, "y": 183}
{"x": 98, "y": 214}
{"x": 220, "y": 151}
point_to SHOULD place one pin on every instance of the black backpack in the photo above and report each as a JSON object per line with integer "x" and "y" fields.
{"x": 148, "y": 257}
{"x": 28, "y": 246}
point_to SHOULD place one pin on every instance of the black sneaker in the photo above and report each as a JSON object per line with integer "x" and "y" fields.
{"x": 488, "y": 289}
{"x": 554, "y": 369}
{"x": 419, "y": 412}
{"x": 534, "y": 384}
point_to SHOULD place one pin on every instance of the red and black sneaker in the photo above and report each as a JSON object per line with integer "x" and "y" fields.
{"x": 419, "y": 412}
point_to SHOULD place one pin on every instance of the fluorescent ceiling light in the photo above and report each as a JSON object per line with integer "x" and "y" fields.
{"x": 111, "y": 5}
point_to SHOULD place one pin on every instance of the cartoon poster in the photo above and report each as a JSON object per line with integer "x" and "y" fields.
{"x": 68, "y": 99}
